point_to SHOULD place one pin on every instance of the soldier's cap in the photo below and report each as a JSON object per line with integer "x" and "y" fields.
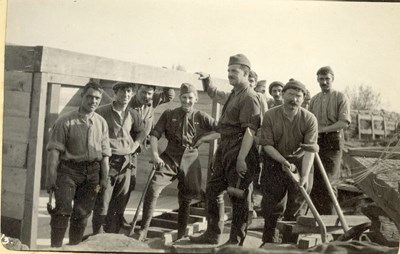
{"x": 239, "y": 59}
{"x": 188, "y": 88}
{"x": 262, "y": 83}
{"x": 274, "y": 84}
{"x": 325, "y": 70}
{"x": 121, "y": 84}
{"x": 294, "y": 84}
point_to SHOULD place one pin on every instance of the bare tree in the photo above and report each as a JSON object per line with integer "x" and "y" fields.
{"x": 362, "y": 97}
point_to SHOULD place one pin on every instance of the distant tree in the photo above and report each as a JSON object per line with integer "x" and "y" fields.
{"x": 362, "y": 97}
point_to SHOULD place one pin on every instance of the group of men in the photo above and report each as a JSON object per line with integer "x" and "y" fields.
{"x": 93, "y": 155}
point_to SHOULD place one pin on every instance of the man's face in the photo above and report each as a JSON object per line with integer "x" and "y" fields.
{"x": 276, "y": 93}
{"x": 90, "y": 100}
{"x": 252, "y": 82}
{"x": 325, "y": 81}
{"x": 260, "y": 89}
{"x": 187, "y": 101}
{"x": 145, "y": 94}
{"x": 124, "y": 95}
{"x": 236, "y": 75}
{"x": 293, "y": 98}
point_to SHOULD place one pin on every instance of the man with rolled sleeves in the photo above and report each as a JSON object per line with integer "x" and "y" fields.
{"x": 77, "y": 165}
{"x": 236, "y": 156}
{"x": 145, "y": 101}
{"x": 284, "y": 129}
{"x": 186, "y": 129}
{"x": 332, "y": 109}
{"x": 122, "y": 121}
{"x": 275, "y": 90}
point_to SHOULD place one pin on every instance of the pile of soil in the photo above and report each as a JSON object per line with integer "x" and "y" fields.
{"x": 13, "y": 243}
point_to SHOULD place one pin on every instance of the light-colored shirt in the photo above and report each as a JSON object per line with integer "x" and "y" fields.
{"x": 285, "y": 135}
{"x": 120, "y": 127}
{"x": 80, "y": 138}
{"x": 330, "y": 107}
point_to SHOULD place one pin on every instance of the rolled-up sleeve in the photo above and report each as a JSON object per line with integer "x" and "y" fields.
{"x": 160, "y": 127}
{"x": 250, "y": 113}
{"x": 344, "y": 109}
{"x": 311, "y": 135}
{"x": 207, "y": 122}
{"x": 105, "y": 141}
{"x": 267, "y": 137}
{"x": 58, "y": 136}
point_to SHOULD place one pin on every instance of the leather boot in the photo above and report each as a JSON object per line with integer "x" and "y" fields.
{"x": 75, "y": 234}
{"x": 57, "y": 236}
{"x": 183, "y": 216}
{"x": 98, "y": 224}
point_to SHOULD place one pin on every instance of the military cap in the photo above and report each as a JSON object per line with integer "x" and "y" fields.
{"x": 239, "y": 59}
{"x": 188, "y": 88}
{"x": 118, "y": 85}
{"x": 262, "y": 83}
{"x": 274, "y": 84}
{"x": 325, "y": 70}
{"x": 294, "y": 84}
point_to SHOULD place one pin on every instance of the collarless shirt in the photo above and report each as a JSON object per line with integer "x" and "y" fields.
{"x": 285, "y": 135}
{"x": 80, "y": 138}
{"x": 120, "y": 126}
{"x": 330, "y": 107}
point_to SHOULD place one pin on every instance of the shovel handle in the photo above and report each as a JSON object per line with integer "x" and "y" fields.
{"x": 51, "y": 196}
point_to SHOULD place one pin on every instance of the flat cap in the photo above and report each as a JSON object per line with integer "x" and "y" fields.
{"x": 274, "y": 84}
{"x": 118, "y": 85}
{"x": 239, "y": 59}
{"x": 325, "y": 70}
{"x": 262, "y": 83}
{"x": 188, "y": 88}
{"x": 294, "y": 84}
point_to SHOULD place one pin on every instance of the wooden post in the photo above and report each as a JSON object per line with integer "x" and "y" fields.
{"x": 34, "y": 161}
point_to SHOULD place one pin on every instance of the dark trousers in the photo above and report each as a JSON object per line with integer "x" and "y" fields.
{"x": 225, "y": 175}
{"x": 110, "y": 204}
{"x": 276, "y": 186}
{"x": 331, "y": 160}
{"x": 76, "y": 183}
{"x": 188, "y": 188}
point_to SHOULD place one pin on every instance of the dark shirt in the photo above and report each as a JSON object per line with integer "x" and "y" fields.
{"x": 171, "y": 124}
{"x": 285, "y": 135}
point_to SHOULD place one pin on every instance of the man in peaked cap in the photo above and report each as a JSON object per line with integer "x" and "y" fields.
{"x": 186, "y": 129}
{"x": 122, "y": 121}
{"x": 275, "y": 90}
{"x": 236, "y": 157}
{"x": 332, "y": 109}
{"x": 284, "y": 128}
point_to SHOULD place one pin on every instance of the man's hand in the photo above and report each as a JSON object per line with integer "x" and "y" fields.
{"x": 241, "y": 167}
{"x": 286, "y": 164}
{"x": 158, "y": 162}
{"x": 51, "y": 182}
{"x": 199, "y": 142}
{"x": 202, "y": 75}
{"x": 303, "y": 182}
{"x": 103, "y": 184}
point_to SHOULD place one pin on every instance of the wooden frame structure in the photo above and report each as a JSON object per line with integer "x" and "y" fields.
{"x": 32, "y": 76}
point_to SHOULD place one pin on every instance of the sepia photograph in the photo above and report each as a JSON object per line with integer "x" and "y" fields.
{"x": 231, "y": 126}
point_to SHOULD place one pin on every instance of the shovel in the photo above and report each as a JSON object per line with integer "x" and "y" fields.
{"x": 131, "y": 231}
{"x": 50, "y": 209}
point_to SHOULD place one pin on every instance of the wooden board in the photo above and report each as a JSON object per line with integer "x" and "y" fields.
{"x": 18, "y": 81}
{"x": 16, "y": 129}
{"x": 13, "y": 180}
{"x": 12, "y": 204}
{"x": 372, "y": 152}
{"x": 14, "y": 154}
{"x": 20, "y": 58}
{"x": 332, "y": 220}
{"x": 17, "y": 103}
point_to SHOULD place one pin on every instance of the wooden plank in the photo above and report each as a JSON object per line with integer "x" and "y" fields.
{"x": 14, "y": 154}
{"x": 20, "y": 58}
{"x": 386, "y": 197}
{"x": 332, "y": 220}
{"x": 18, "y": 81}
{"x": 16, "y": 129}
{"x": 155, "y": 222}
{"x": 372, "y": 152}
{"x": 34, "y": 162}
{"x": 17, "y": 103}
{"x": 13, "y": 180}
{"x": 12, "y": 204}
{"x": 300, "y": 229}
{"x": 174, "y": 217}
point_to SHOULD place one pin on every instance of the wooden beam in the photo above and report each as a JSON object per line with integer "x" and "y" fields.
{"x": 14, "y": 154}
{"x": 372, "y": 152}
{"x": 18, "y": 81}
{"x": 34, "y": 162}
{"x": 332, "y": 220}
{"x": 17, "y": 103}
{"x": 16, "y": 129}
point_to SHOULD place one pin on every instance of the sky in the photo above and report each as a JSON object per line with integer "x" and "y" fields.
{"x": 282, "y": 39}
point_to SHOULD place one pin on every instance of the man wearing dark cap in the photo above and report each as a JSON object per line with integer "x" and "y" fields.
{"x": 122, "y": 121}
{"x": 236, "y": 157}
{"x": 332, "y": 109}
{"x": 284, "y": 128}
{"x": 77, "y": 165}
{"x": 186, "y": 129}
{"x": 275, "y": 90}
{"x": 145, "y": 101}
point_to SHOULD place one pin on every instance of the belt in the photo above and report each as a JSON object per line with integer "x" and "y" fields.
{"x": 324, "y": 134}
{"x": 80, "y": 163}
